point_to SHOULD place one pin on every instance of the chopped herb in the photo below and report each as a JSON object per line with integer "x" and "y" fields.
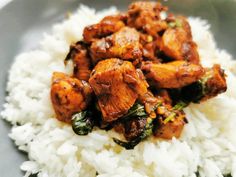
{"x": 176, "y": 23}
{"x": 172, "y": 24}
{"x": 178, "y": 107}
{"x": 170, "y": 117}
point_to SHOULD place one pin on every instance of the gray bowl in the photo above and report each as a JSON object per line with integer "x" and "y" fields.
{"x": 22, "y": 23}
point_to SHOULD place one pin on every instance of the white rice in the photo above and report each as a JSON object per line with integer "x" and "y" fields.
{"x": 207, "y": 145}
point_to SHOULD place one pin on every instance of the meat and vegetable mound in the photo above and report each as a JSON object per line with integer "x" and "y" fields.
{"x": 134, "y": 72}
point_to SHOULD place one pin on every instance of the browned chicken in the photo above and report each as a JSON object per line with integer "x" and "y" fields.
{"x": 172, "y": 128}
{"x": 145, "y": 16}
{"x": 150, "y": 47}
{"x": 105, "y": 27}
{"x": 69, "y": 96}
{"x": 81, "y": 60}
{"x": 177, "y": 42}
{"x": 131, "y": 129}
{"x": 117, "y": 85}
{"x": 173, "y": 74}
{"x": 123, "y": 44}
{"x": 210, "y": 85}
{"x": 170, "y": 120}
{"x": 181, "y": 22}
{"x": 215, "y": 82}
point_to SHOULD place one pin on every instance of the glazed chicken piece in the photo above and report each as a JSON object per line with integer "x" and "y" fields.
{"x": 177, "y": 42}
{"x": 172, "y": 75}
{"x": 123, "y": 44}
{"x": 145, "y": 16}
{"x": 170, "y": 120}
{"x": 181, "y": 22}
{"x": 150, "y": 46}
{"x": 117, "y": 85}
{"x": 172, "y": 128}
{"x": 105, "y": 27}
{"x": 210, "y": 85}
{"x": 81, "y": 60}
{"x": 131, "y": 129}
{"x": 215, "y": 82}
{"x": 69, "y": 96}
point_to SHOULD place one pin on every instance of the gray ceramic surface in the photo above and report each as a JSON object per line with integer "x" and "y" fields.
{"x": 22, "y": 23}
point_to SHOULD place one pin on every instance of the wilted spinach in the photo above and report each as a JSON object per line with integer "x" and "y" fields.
{"x": 82, "y": 122}
{"x": 137, "y": 110}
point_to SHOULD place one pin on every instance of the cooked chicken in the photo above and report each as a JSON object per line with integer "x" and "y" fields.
{"x": 170, "y": 120}
{"x": 216, "y": 82}
{"x": 150, "y": 47}
{"x": 131, "y": 129}
{"x": 145, "y": 16}
{"x": 117, "y": 85}
{"x": 69, "y": 96}
{"x": 172, "y": 128}
{"x": 173, "y": 74}
{"x": 81, "y": 60}
{"x": 123, "y": 44}
{"x": 210, "y": 85}
{"x": 181, "y": 22}
{"x": 105, "y": 27}
{"x": 177, "y": 42}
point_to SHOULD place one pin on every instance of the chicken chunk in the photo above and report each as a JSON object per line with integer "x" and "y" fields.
{"x": 181, "y": 22}
{"x": 145, "y": 16}
{"x": 172, "y": 128}
{"x": 170, "y": 120}
{"x": 117, "y": 85}
{"x": 81, "y": 60}
{"x": 69, "y": 96}
{"x": 173, "y": 74}
{"x": 210, "y": 85}
{"x": 150, "y": 47}
{"x": 177, "y": 42}
{"x": 123, "y": 44}
{"x": 105, "y": 27}
{"x": 131, "y": 129}
{"x": 216, "y": 82}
